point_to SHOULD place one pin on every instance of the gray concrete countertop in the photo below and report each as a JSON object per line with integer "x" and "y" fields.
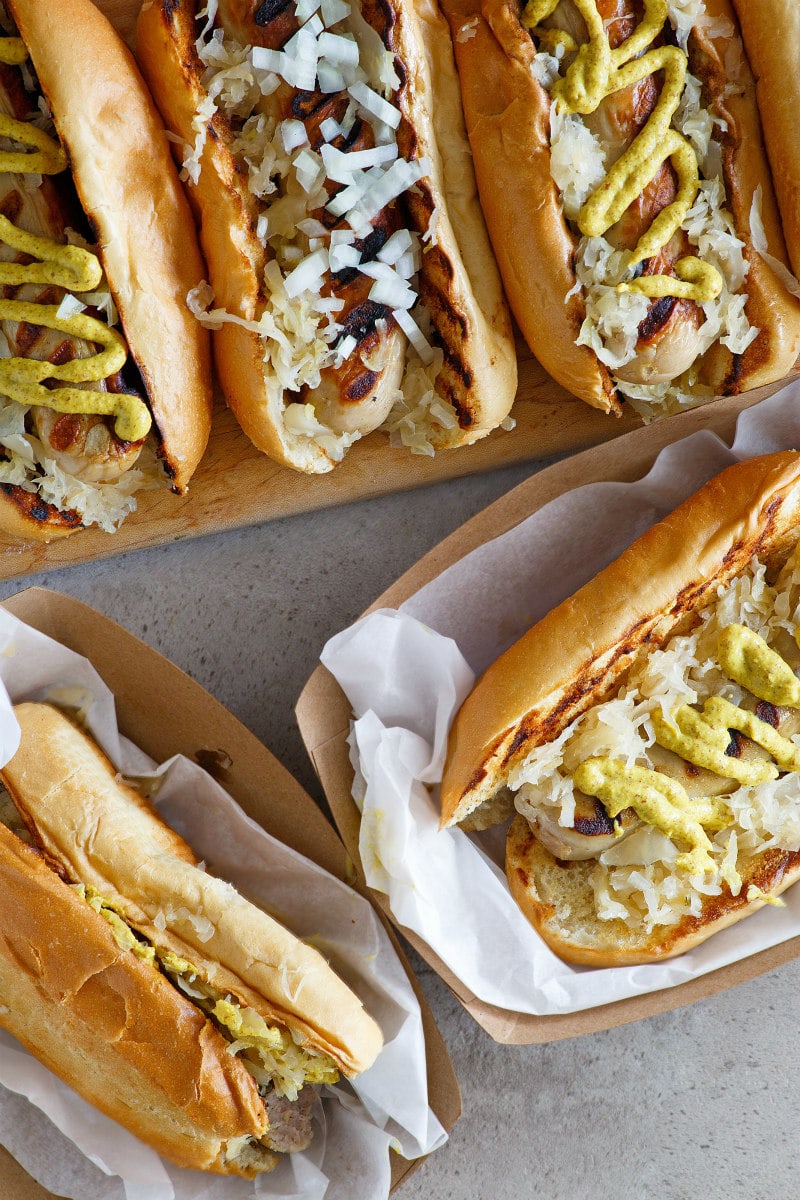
{"x": 696, "y": 1104}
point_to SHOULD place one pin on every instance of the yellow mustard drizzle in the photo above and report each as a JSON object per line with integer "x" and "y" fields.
{"x": 596, "y": 72}
{"x": 702, "y": 738}
{"x": 658, "y": 800}
{"x": 70, "y": 267}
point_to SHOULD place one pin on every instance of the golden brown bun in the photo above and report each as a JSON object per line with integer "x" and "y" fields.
{"x": 128, "y": 186}
{"x": 575, "y": 655}
{"x": 771, "y": 31}
{"x": 104, "y": 835}
{"x": 107, "y": 1023}
{"x": 459, "y": 279}
{"x": 23, "y": 515}
{"x": 557, "y": 899}
{"x": 507, "y": 114}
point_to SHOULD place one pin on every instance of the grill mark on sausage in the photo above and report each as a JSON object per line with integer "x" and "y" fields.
{"x": 657, "y": 317}
{"x": 360, "y": 322}
{"x": 768, "y": 713}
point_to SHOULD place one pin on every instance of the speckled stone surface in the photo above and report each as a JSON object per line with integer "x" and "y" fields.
{"x": 696, "y": 1104}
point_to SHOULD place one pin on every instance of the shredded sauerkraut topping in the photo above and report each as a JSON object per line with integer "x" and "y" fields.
{"x": 636, "y": 879}
{"x": 271, "y": 1054}
{"x": 612, "y": 320}
{"x": 336, "y": 52}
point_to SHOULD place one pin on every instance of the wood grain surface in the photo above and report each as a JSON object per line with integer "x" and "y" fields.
{"x": 237, "y": 486}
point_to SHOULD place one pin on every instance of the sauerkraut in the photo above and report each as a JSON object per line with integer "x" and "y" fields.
{"x": 636, "y": 880}
{"x": 611, "y": 324}
{"x": 334, "y": 51}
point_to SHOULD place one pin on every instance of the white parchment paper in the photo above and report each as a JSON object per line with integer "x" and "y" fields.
{"x": 75, "y": 1151}
{"x": 406, "y": 672}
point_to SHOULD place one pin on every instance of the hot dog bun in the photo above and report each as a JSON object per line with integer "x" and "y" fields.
{"x": 123, "y": 173}
{"x": 508, "y": 114}
{"x": 97, "y": 832}
{"x": 771, "y": 31}
{"x": 590, "y": 650}
{"x": 305, "y": 420}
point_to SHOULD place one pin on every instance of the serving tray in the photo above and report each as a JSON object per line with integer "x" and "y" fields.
{"x": 237, "y": 486}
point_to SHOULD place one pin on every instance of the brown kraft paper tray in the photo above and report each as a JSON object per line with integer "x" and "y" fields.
{"x": 324, "y": 717}
{"x": 165, "y": 712}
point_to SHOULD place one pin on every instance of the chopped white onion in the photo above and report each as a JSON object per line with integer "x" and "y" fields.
{"x": 342, "y": 51}
{"x": 330, "y": 78}
{"x": 70, "y": 306}
{"x": 395, "y": 246}
{"x": 307, "y": 276}
{"x": 375, "y": 104}
{"x": 342, "y": 167}
{"x": 388, "y": 288}
{"x": 305, "y": 9}
{"x": 414, "y": 334}
{"x": 293, "y": 135}
{"x": 330, "y": 129}
{"x": 334, "y": 11}
{"x": 400, "y": 176}
{"x": 342, "y": 256}
{"x": 346, "y": 347}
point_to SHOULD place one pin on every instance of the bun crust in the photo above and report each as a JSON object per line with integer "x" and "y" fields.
{"x": 582, "y": 648}
{"x": 508, "y": 120}
{"x": 557, "y": 899}
{"x": 101, "y": 833}
{"x": 128, "y": 186}
{"x": 458, "y": 281}
{"x": 105, "y": 1022}
{"x": 771, "y": 31}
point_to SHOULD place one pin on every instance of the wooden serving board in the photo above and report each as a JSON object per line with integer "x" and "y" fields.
{"x": 237, "y": 486}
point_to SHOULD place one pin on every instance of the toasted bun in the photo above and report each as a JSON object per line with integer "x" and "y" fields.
{"x": 557, "y": 899}
{"x": 128, "y": 186}
{"x": 771, "y": 32}
{"x": 458, "y": 281}
{"x": 508, "y": 120}
{"x": 106, "y": 1023}
{"x": 576, "y": 654}
{"x": 101, "y": 833}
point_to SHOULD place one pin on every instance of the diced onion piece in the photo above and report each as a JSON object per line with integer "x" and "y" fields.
{"x": 399, "y": 177}
{"x": 342, "y": 256}
{"x": 375, "y": 104}
{"x": 395, "y": 246}
{"x": 305, "y": 9}
{"x": 341, "y": 167}
{"x": 342, "y": 51}
{"x": 346, "y": 347}
{"x": 414, "y": 334}
{"x": 388, "y": 288}
{"x": 330, "y": 129}
{"x": 307, "y": 276}
{"x": 300, "y": 60}
{"x": 293, "y": 135}
{"x": 334, "y": 11}
{"x": 330, "y": 78}
{"x": 264, "y": 59}
{"x": 308, "y": 168}
{"x": 70, "y": 306}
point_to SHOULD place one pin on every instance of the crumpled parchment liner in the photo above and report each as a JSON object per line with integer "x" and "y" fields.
{"x": 405, "y": 674}
{"x": 90, "y": 1157}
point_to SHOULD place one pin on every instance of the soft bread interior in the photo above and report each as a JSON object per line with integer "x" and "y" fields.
{"x": 558, "y": 899}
